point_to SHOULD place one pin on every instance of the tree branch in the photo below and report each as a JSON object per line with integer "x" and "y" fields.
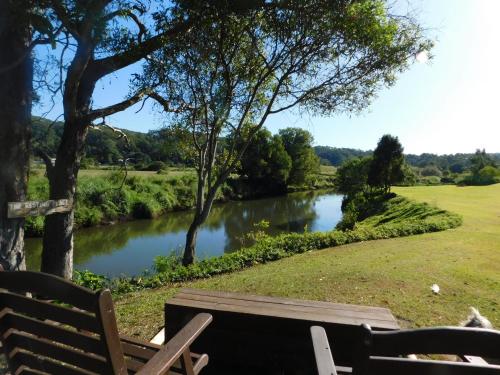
{"x": 118, "y": 107}
{"x": 46, "y": 159}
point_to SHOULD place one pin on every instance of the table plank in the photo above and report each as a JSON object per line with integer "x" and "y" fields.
{"x": 282, "y": 300}
{"x": 325, "y": 310}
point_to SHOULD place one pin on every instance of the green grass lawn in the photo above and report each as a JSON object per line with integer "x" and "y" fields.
{"x": 395, "y": 273}
{"x": 327, "y": 170}
{"x": 170, "y": 172}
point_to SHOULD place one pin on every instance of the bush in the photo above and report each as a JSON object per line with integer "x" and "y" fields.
{"x": 485, "y": 176}
{"x": 431, "y": 170}
{"x": 156, "y": 166}
{"x": 90, "y": 280}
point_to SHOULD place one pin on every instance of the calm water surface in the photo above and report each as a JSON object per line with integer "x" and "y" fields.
{"x": 129, "y": 248}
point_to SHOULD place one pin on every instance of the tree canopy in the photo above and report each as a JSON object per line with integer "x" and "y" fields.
{"x": 298, "y": 144}
{"x": 233, "y": 70}
{"x": 386, "y": 167}
{"x": 266, "y": 163}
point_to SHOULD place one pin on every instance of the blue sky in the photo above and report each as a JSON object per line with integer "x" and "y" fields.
{"x": 446, "y": 106}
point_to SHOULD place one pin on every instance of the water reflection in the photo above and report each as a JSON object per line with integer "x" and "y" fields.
{"x": 129, "y": 248}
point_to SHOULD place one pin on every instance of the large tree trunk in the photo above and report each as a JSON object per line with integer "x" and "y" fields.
{"x": 57, "y": 254}
{"x": 190, "y": 248}
{"x": 201, "y": 215}
{"x": 16, "y": 76}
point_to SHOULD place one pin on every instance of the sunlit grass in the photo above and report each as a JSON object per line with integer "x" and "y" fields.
{"x": 169, "y": 173}
{"x": 395, "y": 273}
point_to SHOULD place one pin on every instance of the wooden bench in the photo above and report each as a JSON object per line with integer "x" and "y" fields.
{"x": 270, "y": 333}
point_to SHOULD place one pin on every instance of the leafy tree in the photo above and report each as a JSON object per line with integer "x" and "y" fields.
{"x": 234, "y": 70}
{"x": 409, "y": 175}
{"x": 386, "y": 167}
{"x": 103, "y": 36}
{"x": 457, "y": 167}
{"x": 431, "y": 170}
{"x": 352, "y": 176}
{"x": 99, "y": 38}
{"x": 305, "y": 163}
{"x": 266, "y": 162}
{"x": 489, "y": 175}
{"x": 480, "y": 160}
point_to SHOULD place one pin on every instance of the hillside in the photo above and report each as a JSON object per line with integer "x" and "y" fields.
{"x": 454, "y": 162}
{"x": 106, "y": 147}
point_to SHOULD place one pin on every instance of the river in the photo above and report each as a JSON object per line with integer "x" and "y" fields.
{"x": 129, "y": 248}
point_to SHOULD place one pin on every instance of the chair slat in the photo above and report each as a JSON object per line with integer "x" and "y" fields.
{"x": 106, "y": 317}
{"x": 37, "y": 346}
{"x": 52, "y": 332}
{"x": 133, "y": 366}
{"x": 23, "y": 370}
{"x": 44, "y": 364}
{"x": 439, "y": 340}
{"x": 397, "y": 366}
{"x": 49, "y": 285}
{"x": 378, "y": 351}
{"x": 137, "y": 352}
{"x": 44, "y": 310}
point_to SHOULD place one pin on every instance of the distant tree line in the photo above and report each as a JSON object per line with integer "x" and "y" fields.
{"x": 454, "y": 163}
{"x": 157, "y": 149}
{"x": 270, "y": 163}
{"x": 337, "y": 156}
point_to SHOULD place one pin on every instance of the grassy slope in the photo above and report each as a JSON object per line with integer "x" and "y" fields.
{"x": 395, "y": 273}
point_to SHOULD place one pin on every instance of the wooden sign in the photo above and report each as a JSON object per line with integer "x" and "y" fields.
{"x": 38, "y": 208}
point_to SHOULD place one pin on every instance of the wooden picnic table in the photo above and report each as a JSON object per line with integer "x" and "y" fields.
{"x": 259, "y": 332}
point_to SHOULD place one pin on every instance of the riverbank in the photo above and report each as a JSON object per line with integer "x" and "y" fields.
{"x": 129, "y": 248}
{"x": 105, "y": 197}
{"x": 396, "y": 217}
{"x": 395, "y": 273}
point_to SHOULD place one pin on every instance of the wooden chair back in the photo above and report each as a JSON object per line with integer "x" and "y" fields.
{"x": 384, "y": 352}
{"x": 50, "y": 325}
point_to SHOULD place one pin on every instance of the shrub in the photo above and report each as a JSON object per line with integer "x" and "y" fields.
{"x": 156, "y": 166}
{"x": 485, "y": 176}
{"x": 90, "y": 280}
{"x": 431, "y": 170}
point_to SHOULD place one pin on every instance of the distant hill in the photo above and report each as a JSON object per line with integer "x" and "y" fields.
{"x": 453, "y": 162}
{"x": 104, "y": 147}
{"x": 336, "y": 156}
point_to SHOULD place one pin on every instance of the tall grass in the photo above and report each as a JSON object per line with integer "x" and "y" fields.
{"x": 103, "y": 199}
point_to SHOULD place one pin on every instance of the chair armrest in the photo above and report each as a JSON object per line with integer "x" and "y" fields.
{"x": 322, "y": 352}
{"x": 474, "y": 360}
{"x": 161, "y": 362}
